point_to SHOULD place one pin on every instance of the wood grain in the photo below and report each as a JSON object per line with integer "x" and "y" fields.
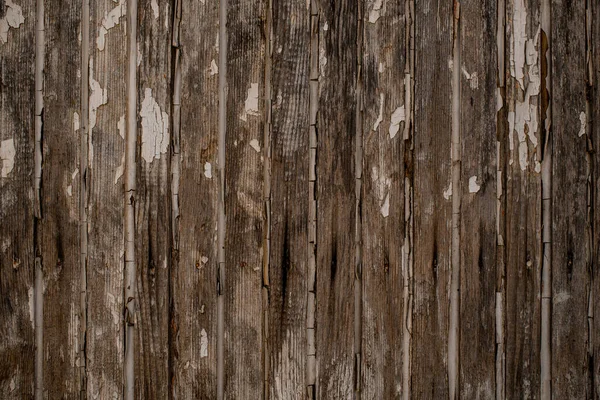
{"x": 384, "y": 227}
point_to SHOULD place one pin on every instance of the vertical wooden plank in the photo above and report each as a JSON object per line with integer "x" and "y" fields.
{"x": 386, "y": 113}
{"x": 522, "y": 148}
{"x": 478, "y": 73}
{"x": 335, "y": 180}
{"x": 433, "y": 198}
{"x": 152, "y": 205}
{"x": 244, "y": 201}
{"x": 570, "y": 243}
{"x": 289, "y": 177}
{"x": 17, "y": 39}
{"x": 106, "y": 150}
{"x": 593, "y": 64}
{"x": 194, "y": 276}
{"x": 59, "y": 226}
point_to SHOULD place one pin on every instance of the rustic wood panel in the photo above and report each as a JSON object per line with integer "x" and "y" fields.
{"x": 17, "y": 259}
{"x": 288, "y": 177}
{"x": 105, "y": 183}
{"x": 244, "y": 200}
{"x": 478, "y": 199}
{"x": 432, "y": 201}
{"x": 152, "y": 205}
{"x": 336, "y": 128}
{"x": 593, "y": 23}
{"x": 570, "y": 243}
{"x": 386, "y": 113}
{"x": 59, "y": 227}
{"x": 194, "y": 274}
{"x": 522, "y": 149}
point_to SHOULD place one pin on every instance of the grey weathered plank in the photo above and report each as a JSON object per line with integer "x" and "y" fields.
{"x": 593, "y": 133}
{"x": 522, "y": 149}
{"x": 17, "y": 201}
{"x": 335, "y": 181}
{"x": 478, "y": 73}
{"x": 244, "y": 201}
{"x": 571, "y": 245}
{"x": 386, "y": 163}
{"x": 105, "y": 184}
{"x": 152, "y": 205}
{"x": 59, "y": 226}
{"x": 433, "y": 201}
{"x": 194, "y": 274}
{"x": 289, "y": 180}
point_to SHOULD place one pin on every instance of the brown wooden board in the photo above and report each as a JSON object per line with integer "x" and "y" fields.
{"x": 335, "y": 181}
{"x": 289, "y": 178}
{"x": 152, "y": 205}
{"x": 17, "y": 260}
{"x": 244, "y": 200}
{"x": 478, "y": 79}
{"x": 432, "y": 201}
{"x": 105, "y": 345}
{"x": 593, "y": 133}
{"x": 194, "y": 274}
{"x": 522, "y": 149}
{"x": 571, "y": 246}
{"x": 59, "y": 226}
{"x": 386, "y": 113}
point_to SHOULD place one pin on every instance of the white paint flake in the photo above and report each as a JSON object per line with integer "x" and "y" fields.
{"x": 208, "y": 170}
{"x": 31, "y": 307}
{"x": 376, "y": 11}
{"x": 519, "y": 38}
{"x": 75, "y": 121}
{"x": 155, "y": 10}
{"x": 397, "y": 117}
{"x": 13, "y": 18}
{"x": 251, "y": 103}
{"x": 203, "y": 344}
{"x": 583, "y": 123}
{"x": 473, "y": 186}
{"x": 98, "y": 97}
{"x": 120, "y": 170}
{"x": 167, "y": 15}
{"x": 325, "y": 26}
{"x": 322, "y": 61}
{"x": 385, "y": 208}
{"x": 69, "y": 189}
{"x": 448, "y": 192}
{"x": 472, "y": 78}
{"x": 214, "y": 68}
{"x": 110, "y": 20}
{"x": 380, "y": 116}
{"x": 7, "y": 155}
{"x": 155, "y": 128}
{"x": 381, "y": 68}
{"x": 255, "y": 145}
{"x": 121, "y": 126}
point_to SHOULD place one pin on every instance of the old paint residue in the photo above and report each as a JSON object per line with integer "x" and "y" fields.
{"x": 375, "y": 11}
{"x": 155, "y": 128}
{"x": 110, "y": 20}
{"x": 7, "y": 155}
{"x": 380, "y": 116}
{"x": 255, "y": 145}
{"x": 473, "y": 185}
{"x": 251, "y": 103}
{"x": 208, "y": 170}
{"x": 203, "y": 344}
{"x": 583, "y": 124}
{"x": 98, "y": 97}
{"x": 398, "y": 116}
{"x": 13, "y": 18}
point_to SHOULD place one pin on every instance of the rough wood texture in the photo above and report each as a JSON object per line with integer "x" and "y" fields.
{"x": 570, "y": 244}
{"x": 16, "y": 203}
{"x": 336, "y": 128}
{"x": 59, "y": 227}
{"x": 106, "y": 147}
{"x": 152, "y": 205}
{"x": 194, "y": 274}
{"x": 522, "y": 149}
{"x": 433, "y": 201}
{"x": 289, "y": 176}
{"x": 594, "y": 144}
{"x": 478, "y": 203}
{"x": 385, "y": 116}
{"x": 244, "y": 200}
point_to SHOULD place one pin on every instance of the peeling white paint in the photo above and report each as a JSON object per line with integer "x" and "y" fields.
{"x": 203, "y": 260}
{"x": 121, "y": 126}
{"x": 31, "y": 307}
{"x": 255, "y": 145}
{"x": 519, "y": 38}
{"x": 583, "y": 124}
{"x": 13, "y": 18}
{"x": 385, "y": 208}
{"x": 110, "y": 20}
{"x": 98, "y": 97}
{"x": 381, "y": 68}
{"x": 325, "y": 26}
{"x": 75, "y": 121}
{"x": 499, "y": 100}
{"x": 322, "y": 61}
{"x": 214, "y": 68}
{"x": 473, "y": 186}
{"x": 398, "y": 116}
{"x": 7, "y": 155}
{"x": 120, "y": 170}
{"x": 251, "y": 103}
{"x": 155, "y": 10}
{"x": 380, "y": 116}
{"x": 472, "y": 78}
{"x": 208, "y": 170}
{"x": 155, "y": 128}
{"x": 448, "y": 192}
{"x": 376, "y": 11}
{"x": 203, "y": 344}
{"x": 167, "y": 16}
{"x": 69, "y": 189}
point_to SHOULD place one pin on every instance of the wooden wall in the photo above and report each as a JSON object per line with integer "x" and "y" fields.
{"x": 287, "y": 199}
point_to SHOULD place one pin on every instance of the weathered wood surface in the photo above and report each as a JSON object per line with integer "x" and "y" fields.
{"x": 373, "y": 199}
